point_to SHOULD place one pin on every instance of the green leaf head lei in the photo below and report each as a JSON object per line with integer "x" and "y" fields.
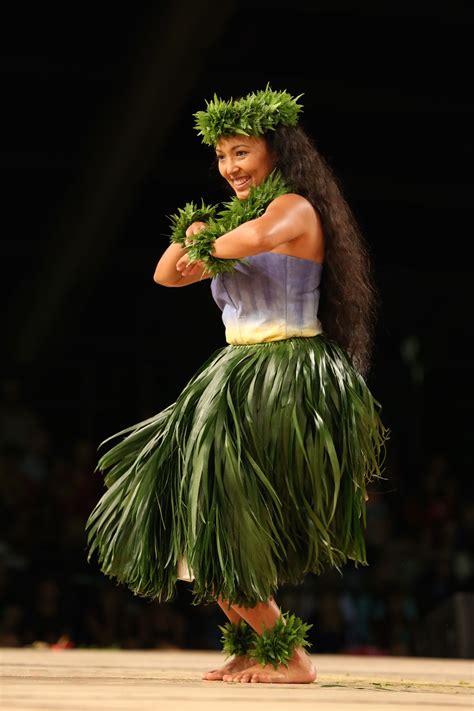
{"x": 252, "y": 115}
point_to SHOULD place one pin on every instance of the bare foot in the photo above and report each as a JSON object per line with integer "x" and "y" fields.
{"x": 237, "y": 664}
{"x": 300, "y": 670}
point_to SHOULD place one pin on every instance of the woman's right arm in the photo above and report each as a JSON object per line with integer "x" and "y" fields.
{"x": 166, "y": 273}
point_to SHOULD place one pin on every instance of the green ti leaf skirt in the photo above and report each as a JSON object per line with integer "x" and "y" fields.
{"x": 255, "y": 476}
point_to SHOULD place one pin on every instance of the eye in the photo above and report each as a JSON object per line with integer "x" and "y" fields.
{"x": 241, "y": 153}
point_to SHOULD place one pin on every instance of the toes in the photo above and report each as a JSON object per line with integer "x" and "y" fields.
{"x": 212, "y": 676}
{"x": 245, "y": 678}
{"x": 259, "y": 678}
{"x": 233, "y": 677}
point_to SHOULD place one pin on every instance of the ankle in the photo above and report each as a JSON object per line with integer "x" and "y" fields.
{"x": 238, "y": 639}
{"x": 282, "y": 643}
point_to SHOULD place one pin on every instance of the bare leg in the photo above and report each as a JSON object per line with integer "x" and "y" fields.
{"x": 236, "y": 664}
{"x": 262, "y": 615}
{"x": 300, "y": 669}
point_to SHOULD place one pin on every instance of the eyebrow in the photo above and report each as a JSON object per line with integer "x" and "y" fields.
{"x": 239, "y": 145}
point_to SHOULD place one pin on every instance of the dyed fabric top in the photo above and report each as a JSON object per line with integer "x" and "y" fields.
{"x": 269, "y": 297}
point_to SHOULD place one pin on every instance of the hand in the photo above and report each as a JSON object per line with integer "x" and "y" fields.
{"x": 188, "y": 268}
{"x": 193, "y": 229}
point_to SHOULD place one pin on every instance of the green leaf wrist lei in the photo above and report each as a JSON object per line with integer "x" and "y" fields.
{"x": 181, "y": 220}
{"x": 232, "y": 214}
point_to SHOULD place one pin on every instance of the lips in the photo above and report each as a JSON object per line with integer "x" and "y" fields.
{"x": 240, "y": 183}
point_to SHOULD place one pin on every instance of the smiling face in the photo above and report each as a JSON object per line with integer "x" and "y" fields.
{"x": 244, "y": 161}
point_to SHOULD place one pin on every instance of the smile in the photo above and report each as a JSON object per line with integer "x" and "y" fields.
{"x": 240, "y": 183}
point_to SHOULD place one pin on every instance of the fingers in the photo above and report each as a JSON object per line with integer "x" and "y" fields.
{"x": 194, "y": 228}
{"x": 188, "y": 268}
{"x": 193, "y": 268}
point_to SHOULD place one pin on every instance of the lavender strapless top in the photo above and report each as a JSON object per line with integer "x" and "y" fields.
{"x": 269, "y": 297}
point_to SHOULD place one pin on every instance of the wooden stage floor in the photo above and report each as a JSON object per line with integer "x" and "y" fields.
{"x": 105, "y": 680}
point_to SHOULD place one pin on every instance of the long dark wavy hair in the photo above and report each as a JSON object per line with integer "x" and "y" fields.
{"x": 348, "y": 301}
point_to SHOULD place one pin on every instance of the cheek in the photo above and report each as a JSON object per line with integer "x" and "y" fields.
{"x": 266, "y": 169}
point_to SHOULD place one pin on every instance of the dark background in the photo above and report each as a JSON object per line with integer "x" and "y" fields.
{"x": 98, "y": 148}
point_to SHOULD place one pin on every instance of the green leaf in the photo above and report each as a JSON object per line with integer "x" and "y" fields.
{"x": 220, "y": 221}
{"x": 254, "y": 114}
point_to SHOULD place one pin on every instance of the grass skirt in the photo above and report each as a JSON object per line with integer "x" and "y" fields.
{"x": 255, "y": 476}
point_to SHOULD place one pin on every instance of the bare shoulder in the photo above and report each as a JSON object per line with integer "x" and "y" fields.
{"x": 291, "y": 200}
{"x": 299, "y": 226}
{"x": 295, "y": 203}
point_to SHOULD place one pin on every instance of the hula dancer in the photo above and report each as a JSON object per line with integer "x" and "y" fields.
{"x": 257, "y": 474}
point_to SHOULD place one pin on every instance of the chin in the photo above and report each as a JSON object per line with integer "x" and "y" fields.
{"x": 243, "y": 194}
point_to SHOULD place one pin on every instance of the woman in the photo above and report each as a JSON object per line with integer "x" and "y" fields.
{"x": 257, "y": 474}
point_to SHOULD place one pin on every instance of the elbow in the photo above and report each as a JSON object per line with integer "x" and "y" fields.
{"x": 160, "y": 279}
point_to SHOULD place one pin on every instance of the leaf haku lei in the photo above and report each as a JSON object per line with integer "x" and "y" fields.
{"x": 276, "y": 645}
{"x": 251, "y": 115}
{"x": 233, "y": 213}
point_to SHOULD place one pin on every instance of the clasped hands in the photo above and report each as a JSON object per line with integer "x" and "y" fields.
{"x": 183, "y": 265}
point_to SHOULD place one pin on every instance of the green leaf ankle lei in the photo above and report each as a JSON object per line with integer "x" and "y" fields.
{"x": 276, "y": 645}
{"x": 237, "y": 638}
{"x": 233, "y": 213}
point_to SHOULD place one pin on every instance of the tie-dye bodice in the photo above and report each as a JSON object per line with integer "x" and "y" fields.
{"x": 269, "y": 297}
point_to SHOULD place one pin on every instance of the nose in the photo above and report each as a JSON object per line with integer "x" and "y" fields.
{"x": 229, "y": 166}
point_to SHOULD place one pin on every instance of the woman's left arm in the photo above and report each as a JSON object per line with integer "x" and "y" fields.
{"x": 286, "y": 218}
